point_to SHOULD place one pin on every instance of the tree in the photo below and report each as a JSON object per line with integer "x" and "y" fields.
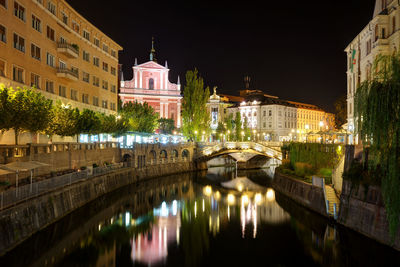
{"x": 238, "y": 126}
{"x": 88, "y": 122}
{"x": 27, "y": 111}
{"x": 64, "y": 120}
{"x": 376, "y": 115}
{"x": 195, "y": 117}
{"x": 340, "y": 111}
{"x": 5, "y": 108}
{"x": 166, "y": 126}
{"x": 140, "y": 117}
{"x": 220, "y": 130}
{"x": 230, "y": 123}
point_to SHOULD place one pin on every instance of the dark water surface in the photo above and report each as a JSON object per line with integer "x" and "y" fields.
{"x": 191, "y": 220}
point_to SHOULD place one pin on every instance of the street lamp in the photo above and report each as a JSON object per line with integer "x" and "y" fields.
{"x": 195, "y": 135}
{"x": 229, "y": 133}
{"x": 254, "y": 135}
{"x": 242, "y": 135}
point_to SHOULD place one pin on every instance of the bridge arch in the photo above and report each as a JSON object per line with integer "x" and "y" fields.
{"x": 185, "y": 154}
{"x": 163, "y": 154}
{"x": 152, "y": 155}
{"x": 127, "y": 158}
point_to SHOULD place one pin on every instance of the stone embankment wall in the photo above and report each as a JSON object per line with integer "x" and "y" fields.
{"x": 362, "y": 209}
{"x": 20, "y": 222}
{"x": 307, "y": 195}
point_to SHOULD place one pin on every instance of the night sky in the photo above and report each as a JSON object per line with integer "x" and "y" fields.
{"x": 291, "y": 49}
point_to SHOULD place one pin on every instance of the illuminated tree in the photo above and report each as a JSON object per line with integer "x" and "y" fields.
{"x": 195, "y": 117}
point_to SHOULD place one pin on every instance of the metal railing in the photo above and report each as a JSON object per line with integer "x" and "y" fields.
{"x": 22, "y": 193}
{"x": 71, "y": 72}
{"x": 74, "y": 48}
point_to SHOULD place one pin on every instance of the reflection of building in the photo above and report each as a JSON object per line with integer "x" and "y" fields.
{"x": 152, "y": 247}
{"x": 107, "y": 257}
{"x": 150, "y": 84}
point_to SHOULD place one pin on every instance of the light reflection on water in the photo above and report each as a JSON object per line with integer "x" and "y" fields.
{"x": 178, "y": 221}
{"x": 151, "y": 247}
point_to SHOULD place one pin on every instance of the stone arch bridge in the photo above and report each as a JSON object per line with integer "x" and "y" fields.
{"x": 240, "y": 151}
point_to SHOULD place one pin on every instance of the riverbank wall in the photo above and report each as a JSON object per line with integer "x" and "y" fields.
{"x": 362, "y": 210}
{"x": 307, "y": 195}
{"x": 20, "y": 222}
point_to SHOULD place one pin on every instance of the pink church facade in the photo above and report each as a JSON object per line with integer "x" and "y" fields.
{"x": 150, "y": 84}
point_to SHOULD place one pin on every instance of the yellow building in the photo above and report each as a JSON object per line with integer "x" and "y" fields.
{"x": 48, "y": 45}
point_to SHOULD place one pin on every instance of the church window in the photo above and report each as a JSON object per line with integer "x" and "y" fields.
{"x": 151, "y": 84}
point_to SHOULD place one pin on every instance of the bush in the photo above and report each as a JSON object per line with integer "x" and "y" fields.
{"x": 325, "y": 172}
{"x": 286, "y": 164}
{"x": 303, "y": 169}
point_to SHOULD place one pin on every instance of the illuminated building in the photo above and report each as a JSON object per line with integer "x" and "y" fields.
{"x": 274, "y": 119}
{"x": 150, "y": 84}
{"x": 380, "y": 36}
{"x": 50, "y": 46}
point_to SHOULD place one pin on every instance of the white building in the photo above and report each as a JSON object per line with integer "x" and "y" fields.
{"x": 380, "y": 36}
{"x": 274, "y": 119}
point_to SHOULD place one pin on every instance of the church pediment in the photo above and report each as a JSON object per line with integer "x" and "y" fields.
{"x": 150, "y": 65}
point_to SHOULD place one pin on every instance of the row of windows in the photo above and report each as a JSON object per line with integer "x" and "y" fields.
{"x": 76, "y": 27}
{"x": 19, "y": 44}
{"x": 18, "y": 75}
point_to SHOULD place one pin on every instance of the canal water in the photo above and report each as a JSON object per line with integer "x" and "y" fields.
{"x": 218, "y": 218}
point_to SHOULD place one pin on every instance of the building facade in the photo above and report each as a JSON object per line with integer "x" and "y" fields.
{"x": 272, "y": 119}
{"x": 46, "y": 44}
{"x": 380, "y": 36}
{"x": 217, "y": 107}
{"x": 150, "y": 84}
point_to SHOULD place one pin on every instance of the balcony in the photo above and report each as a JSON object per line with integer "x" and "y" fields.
{"x": 68, "y": 74}
{"x": 69, "y": 50}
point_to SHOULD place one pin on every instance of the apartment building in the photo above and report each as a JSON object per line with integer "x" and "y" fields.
{"x": 381, "y": 36}
{"x": 46, "y": 44}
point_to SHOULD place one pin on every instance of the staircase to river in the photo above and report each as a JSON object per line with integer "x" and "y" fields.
{"x": 332, "y": 200}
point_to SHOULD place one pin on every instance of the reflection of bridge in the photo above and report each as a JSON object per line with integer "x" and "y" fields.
{"x": 268, "y": 149}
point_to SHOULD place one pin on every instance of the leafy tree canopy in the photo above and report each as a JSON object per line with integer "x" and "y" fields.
{"x": 195, "y": 117}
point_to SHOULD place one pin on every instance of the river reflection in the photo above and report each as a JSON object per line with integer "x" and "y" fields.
{"x": 191, "y": 220}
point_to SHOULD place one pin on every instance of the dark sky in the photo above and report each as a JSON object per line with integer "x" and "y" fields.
{"x": 291, "y": 49}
